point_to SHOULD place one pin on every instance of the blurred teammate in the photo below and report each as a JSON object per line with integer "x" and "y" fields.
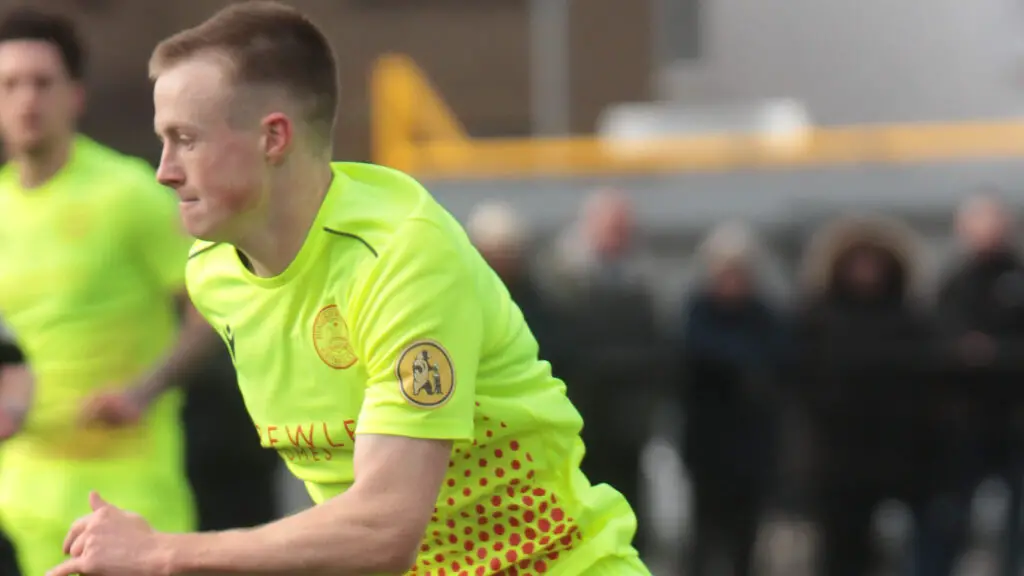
{"x": 376, "y": 351}
{"x": 91, "y": 254}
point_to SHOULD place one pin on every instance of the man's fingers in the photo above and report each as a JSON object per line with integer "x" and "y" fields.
{"x": 78, "y": 546}
{"x": 96, "y": 502}
{"x": 94, "y": 409}
{"x": 75, "y": 532}
{"x": 68, "y": 568}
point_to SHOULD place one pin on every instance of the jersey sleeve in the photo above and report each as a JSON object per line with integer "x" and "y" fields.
{"x": 160, "y": 235}
{"x": 417, "y": 327}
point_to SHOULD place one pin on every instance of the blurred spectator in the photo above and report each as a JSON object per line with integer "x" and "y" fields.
{"x": 863, "y": 352}
{"x": 980, "y": 310}
{"x": 596, "y": 275}
{"x": 503, "y": 239}
{"x": 233, "y": 477}
{"x": 731, "y": 349}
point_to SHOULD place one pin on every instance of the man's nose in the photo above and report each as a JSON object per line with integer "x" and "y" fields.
{"x": 169, "y": 173}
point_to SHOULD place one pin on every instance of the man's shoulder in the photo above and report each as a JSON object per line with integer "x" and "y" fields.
{"x": 375, "y": 196}
{"x": 380, "y": 207}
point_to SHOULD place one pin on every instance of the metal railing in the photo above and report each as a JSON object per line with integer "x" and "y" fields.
{"x": 414, "y": 130}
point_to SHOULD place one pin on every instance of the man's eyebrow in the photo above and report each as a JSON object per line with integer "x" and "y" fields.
{"x": 173, "y": 128}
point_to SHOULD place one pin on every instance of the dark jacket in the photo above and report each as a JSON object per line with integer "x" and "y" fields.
{"x": 984, "y": 296}
{"x": 729, "y": 359}
{"x": 616, "y": 367}
{"x": 864, "y": 362}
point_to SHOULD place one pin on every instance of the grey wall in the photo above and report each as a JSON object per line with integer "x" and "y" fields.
{"x": 866, "y": 60}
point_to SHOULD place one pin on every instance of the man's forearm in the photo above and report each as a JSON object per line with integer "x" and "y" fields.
{"x": 343, "y": 537}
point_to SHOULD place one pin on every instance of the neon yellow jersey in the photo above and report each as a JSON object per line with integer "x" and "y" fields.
{"x": 89, "y": 265}
{"x": 389, "y": 322}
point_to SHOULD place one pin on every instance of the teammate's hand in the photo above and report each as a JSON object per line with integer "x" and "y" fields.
{"x": 12, "y": 418}
{"x": 111, "y": 542}
{"x": 120, "y": 408}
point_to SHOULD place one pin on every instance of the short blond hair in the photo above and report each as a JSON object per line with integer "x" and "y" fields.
{"x": 267, "y": 44}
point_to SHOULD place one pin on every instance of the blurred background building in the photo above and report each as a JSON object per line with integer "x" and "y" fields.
{"x": 647, "y": 176}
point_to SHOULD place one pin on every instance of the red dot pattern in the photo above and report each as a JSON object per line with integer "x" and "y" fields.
{"x": 493, "y": 518}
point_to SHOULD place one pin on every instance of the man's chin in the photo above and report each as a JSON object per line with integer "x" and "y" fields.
{"x": 28, "y": 146}
{"x": 196, "y": 225}
{"x": 205, "y": 231}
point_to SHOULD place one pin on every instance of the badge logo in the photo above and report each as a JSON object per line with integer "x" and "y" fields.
{"x": 425, "y": 374}
{"x": 331, "y": 340}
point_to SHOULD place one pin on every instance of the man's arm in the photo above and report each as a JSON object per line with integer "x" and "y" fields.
{"x": 375, "y": 527}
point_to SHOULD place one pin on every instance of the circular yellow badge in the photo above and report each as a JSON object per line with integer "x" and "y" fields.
{"x": 425, "y": 374}
{"x": 330, "y": 338}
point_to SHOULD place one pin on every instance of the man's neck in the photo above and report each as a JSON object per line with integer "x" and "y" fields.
{"x": 289, "y": 217}
{"x": 38, "y": 167}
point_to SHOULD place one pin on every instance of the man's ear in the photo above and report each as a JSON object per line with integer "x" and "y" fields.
{"x": 278, "y": 132}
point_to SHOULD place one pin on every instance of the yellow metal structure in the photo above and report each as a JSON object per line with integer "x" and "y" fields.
{"x": 415, "y": 131}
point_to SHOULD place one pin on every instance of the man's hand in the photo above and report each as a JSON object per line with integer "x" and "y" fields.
{"x": 120, "y": 408}
{"x": 112, "y": 542}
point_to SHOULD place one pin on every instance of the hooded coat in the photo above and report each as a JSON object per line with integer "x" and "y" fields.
{"x": 864, "y": 360}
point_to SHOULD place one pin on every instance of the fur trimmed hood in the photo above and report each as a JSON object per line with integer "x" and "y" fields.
{"x": 839, "y": 237}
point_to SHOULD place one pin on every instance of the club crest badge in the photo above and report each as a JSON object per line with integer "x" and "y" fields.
{"x": 331, "y": 338}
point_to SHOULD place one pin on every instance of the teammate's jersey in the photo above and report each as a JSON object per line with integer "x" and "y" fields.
{"x": 389, "y": 322}
{"x": 89, "y": 264}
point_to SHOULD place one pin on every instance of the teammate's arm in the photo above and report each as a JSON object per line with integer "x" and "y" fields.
{"x": 16, "y": 386}
{"x": 195, "y": 345}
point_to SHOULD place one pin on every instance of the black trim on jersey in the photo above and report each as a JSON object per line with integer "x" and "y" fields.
{"x": 10, "y": 354}
{"x": 352, "y": 236}
{"x": 201, "y": 250}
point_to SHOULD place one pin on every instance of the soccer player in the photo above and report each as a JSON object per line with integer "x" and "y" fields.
{"x": 376, "y": 352}
{"x": 91, "y": 258}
